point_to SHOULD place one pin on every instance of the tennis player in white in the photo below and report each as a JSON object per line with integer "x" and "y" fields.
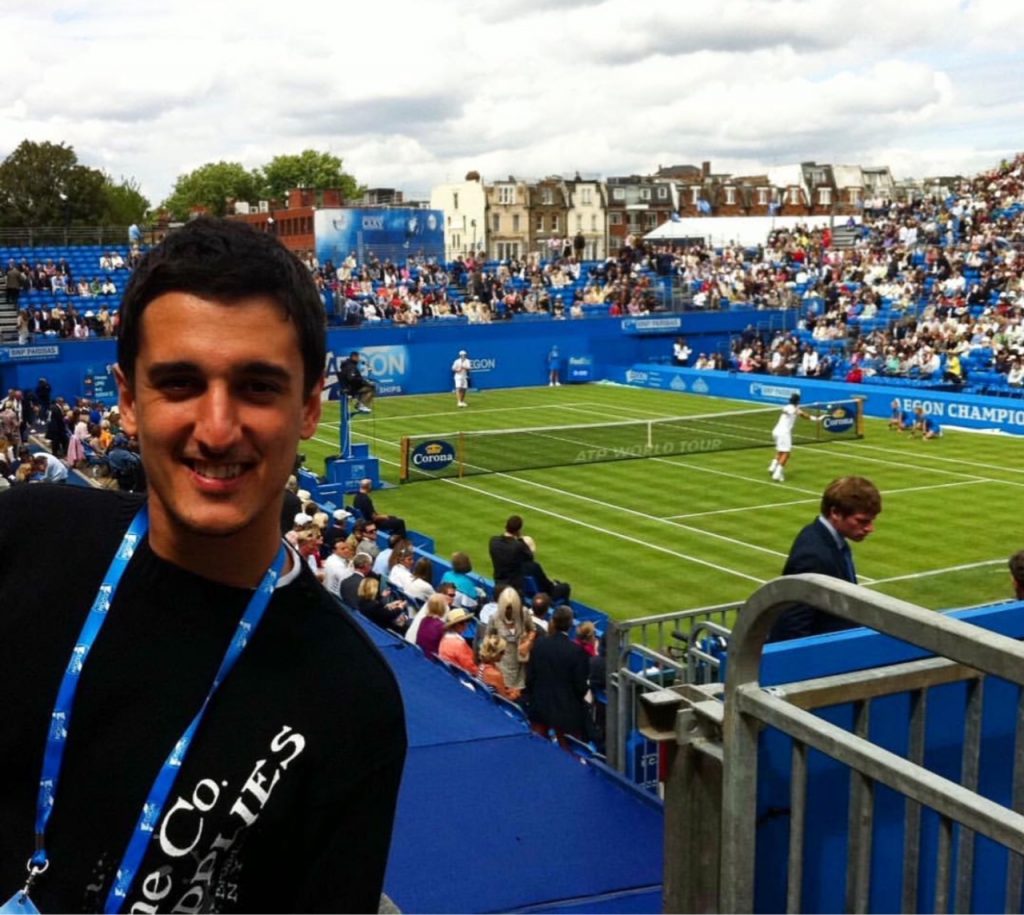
{"x": 460, "y": 371}
{"x": 783, "y": 435}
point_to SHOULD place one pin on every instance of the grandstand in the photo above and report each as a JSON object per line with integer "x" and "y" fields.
{"x": 698, "y": 529}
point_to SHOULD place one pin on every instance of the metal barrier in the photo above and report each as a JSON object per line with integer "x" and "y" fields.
{"x": 712, "y": 780}
{"x": 647, "y": 654}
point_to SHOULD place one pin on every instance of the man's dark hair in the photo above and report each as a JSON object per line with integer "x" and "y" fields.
{"x": 541, "y": 605}
{"x": 225, "y": 261}
{"x": 514, "y": 524}
{"x": 850, "y": 495}
{"x": 561, "y": 619}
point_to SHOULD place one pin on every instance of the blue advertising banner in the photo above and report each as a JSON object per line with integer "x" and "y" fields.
{"x": 29, "y": 353}
{"x": 954, "y": 408}
{"x": 652, "y": 325}
{"x": 394, "y": 234}
{"x": 581, "y": 368}
{"x": 388, "y": 367}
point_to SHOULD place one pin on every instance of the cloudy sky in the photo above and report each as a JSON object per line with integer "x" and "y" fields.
{"x": 415, "y": 92}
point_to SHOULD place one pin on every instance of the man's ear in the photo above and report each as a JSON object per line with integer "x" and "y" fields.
{"x": 126, "y": 401}
{"x": 311, "y": 409}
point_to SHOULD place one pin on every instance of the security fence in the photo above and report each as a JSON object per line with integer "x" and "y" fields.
{"x": 899, "y": 785}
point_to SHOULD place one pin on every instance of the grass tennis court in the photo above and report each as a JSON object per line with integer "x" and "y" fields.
{"x": 658, "y": 534}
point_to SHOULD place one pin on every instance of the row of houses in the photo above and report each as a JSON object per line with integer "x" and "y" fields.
{"x": 594, "y": 217}
{"x": 516, "y": 216}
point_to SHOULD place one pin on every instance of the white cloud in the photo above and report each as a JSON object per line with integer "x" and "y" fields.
{"x": 411, "y": 94}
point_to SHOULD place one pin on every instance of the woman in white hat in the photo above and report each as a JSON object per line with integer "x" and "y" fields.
{"x": 454, "y": 648}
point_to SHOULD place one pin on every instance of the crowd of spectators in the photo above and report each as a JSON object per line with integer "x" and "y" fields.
{"x": 923, "y": 279}
{"x": 929, "y": 288}
{"x": 490, "y": 634}
{"x": 42, "y": 439}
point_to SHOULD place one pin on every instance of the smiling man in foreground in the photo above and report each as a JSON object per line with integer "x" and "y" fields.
{"x": 190, "y": 721}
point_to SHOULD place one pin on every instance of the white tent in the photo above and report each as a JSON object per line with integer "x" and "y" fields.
{"x": 743, "y": 230}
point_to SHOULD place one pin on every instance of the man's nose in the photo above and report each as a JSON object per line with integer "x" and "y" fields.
{"x": 217, "y": 426}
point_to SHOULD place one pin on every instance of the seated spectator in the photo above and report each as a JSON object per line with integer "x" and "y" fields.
{"x": 515, "y": 625}
{"x": 308, "y": 545}
{"x": 540, "y": 609}
{"x": 431, "y": 627}
{"x": 586, "y": 637}
{"x": 361, "y": 568}
{"x": 335, "y": 529}
{"x": 364, "y": 538}
{"x": 468, "y": 593}
{"x": 453, "y": 647}
{"x": 422, "y": 584}
{"x": 117, "y": 261}
{"x": 447, "y": 592}
{"x": 390, "y": 615}
{"x": 105, "y": 261}
{"x": 492, "y": 650}
{"x": 558, "y": 591}
{"x": 338, "y": 566}
{"x": 382, "y": 564}
{"x": 400, "y": 573}
{"x": 364, "y": 503}
{"x": 107, "y": 287}
{"x": 1015, "y": 376}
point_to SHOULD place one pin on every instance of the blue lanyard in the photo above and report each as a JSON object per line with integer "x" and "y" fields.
{"x": 61, "y": 718}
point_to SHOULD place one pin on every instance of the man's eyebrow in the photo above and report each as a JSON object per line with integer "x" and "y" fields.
{"x": 160, "y": 370}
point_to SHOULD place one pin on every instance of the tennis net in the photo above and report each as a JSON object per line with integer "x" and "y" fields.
{"x": 459, "y": 454}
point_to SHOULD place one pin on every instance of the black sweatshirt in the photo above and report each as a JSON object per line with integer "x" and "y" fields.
{"x": 286, "y": 799}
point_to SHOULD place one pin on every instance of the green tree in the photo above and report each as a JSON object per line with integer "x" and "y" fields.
{"x": 308, "y": 168}
{"x": 211, "y": 186}
{"x": 43, "y": 184}
{"x": 125, "y": 203}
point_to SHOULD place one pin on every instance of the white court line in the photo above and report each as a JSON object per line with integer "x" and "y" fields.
{"x": 887, "y": 492}
{"x": 602, "y": 530}
{"x": 947, "y": 460}
{"x": 952, "y": 473}
{"x": 644, "y": 515}
{"x": 960, "y": 568}
{"x": 645, "y": 543}
{"x": 404, "y": 417}
{"x": 761, "y": 481}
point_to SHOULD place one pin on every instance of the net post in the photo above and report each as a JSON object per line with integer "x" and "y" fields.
{"x": 859, "y": 401}
{"x": 462, "y": 453}
{"x": 403, "y": 462}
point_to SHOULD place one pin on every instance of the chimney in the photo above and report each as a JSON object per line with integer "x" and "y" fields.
{"x": 705, "y": 169}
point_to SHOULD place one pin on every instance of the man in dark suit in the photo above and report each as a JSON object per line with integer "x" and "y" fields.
{"x": 362, "y": 565}
{"x": 556, "y": 680}
{"x": 509, "y": 556}
{"x": 849, "y": 507}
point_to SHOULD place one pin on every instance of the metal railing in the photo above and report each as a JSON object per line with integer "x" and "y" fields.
{"x": 35, "y": 236}
{"x": 647, "y": 654}
{"x": 712, "y": 783}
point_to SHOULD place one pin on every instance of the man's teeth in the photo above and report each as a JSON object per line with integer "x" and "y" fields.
{"x": 219, "y": 471}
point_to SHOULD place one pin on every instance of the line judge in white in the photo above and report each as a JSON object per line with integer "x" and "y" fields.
{"x": 460, "y": 372}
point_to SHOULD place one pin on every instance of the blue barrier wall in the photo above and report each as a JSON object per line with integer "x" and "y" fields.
{"x": 417, "y": 359}
{"x": 827, "y": 805}
{"x": 953, "y": 408}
